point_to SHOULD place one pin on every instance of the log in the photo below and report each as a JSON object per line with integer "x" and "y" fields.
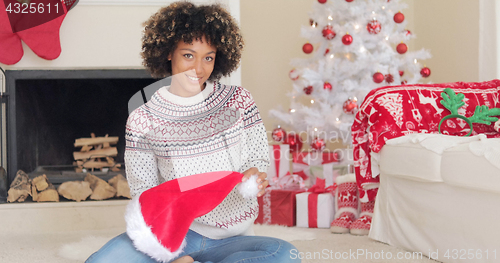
{"x": 48, "y": 195}
{"x": 121, "y": 185}
{"x": 40, "y": 183}
{"x": 100, "y": 189}
{"x": 102, "y": 153}
{"x": 86, "y": 148}
{"x": 42, "y": 190}
{"x": 20, "y": 188}
{"x": 75, "y": 190}
{"x": 95, "y": 141}
{"x": 93, "y": 164}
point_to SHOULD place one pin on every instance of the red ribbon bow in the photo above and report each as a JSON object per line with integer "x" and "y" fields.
{"x": 319, "y": 187}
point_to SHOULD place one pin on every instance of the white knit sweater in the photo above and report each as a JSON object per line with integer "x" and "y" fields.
{"x": 219, "y": 129}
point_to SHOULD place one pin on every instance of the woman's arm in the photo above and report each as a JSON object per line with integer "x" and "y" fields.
{"x": 140, "y": 162}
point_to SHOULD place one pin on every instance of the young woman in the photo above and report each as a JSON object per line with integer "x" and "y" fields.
{"x": 198, "y": 125}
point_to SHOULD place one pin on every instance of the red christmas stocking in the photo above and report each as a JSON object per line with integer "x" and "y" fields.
{"x": 11, "y": 48}
{"x": 44, "y": 39}
{"x": 346, "y": 198}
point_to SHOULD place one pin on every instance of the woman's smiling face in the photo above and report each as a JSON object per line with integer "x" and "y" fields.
{"x": 192, "y": 65}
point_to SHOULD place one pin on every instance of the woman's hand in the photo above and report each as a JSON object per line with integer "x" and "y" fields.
{"x": 261, "y": 179}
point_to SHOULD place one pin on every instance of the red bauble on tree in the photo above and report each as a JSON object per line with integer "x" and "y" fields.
{"x": 327, "y": 86}
{"x": 404, "y": 82}
{"x": 328, "y": 32}
{"x": 279, "y": 134}
{"x": 399, "y": 17}
{"x": 294, "y": 141}
{"x": 326, "y": 51}
{"x": 322, "y": 1}
{"x": 401, "y": 73}
{"x": 308, "y": 90}
{"x": 373, "y": 27}
{"x": 350, "y": 106}
{"x": 347, "y": 39}
{"x": 402, "y": 48}
{"x": 389, "y": 78}
{"x": 318, "y": 144}
{"x": 425, "y": 72}
{"x": 378, "y": 77}
{"x": 307, "y": 48}
{"x": 294, "y": 75}
{"x": 349, "y": 0}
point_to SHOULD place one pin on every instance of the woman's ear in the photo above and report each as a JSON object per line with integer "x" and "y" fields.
{"x": 169, "y": 57}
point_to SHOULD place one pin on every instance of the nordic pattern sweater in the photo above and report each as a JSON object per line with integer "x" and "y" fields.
{"x": 219, "y": 129}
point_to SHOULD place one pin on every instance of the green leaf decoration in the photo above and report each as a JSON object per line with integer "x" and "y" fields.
{"x": 483, "y": 114}
{"x": 452, "y": 101}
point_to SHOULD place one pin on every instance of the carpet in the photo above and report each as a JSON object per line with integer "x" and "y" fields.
{"x": 81, "y": 250}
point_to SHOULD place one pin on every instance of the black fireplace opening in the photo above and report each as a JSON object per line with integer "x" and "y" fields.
{"x": 48, "y": 110}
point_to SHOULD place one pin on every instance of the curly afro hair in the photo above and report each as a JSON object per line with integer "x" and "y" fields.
{"x": 187, "y": 22}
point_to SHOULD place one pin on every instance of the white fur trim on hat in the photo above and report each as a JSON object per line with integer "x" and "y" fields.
{"x": 144, "y": 240}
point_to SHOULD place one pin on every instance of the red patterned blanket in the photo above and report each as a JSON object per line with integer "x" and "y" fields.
{"x": 394, "y": 111}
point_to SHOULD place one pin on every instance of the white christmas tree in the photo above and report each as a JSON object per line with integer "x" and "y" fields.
{"x": 354, "y": 46}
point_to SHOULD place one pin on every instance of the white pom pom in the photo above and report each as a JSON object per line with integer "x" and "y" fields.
{"x": 249, "y": 188}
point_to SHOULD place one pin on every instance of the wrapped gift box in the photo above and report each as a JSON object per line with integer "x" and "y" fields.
{"x": 279, "y": 161}
{"x": 315, "y": 210}
{"x": 312, "y": 165}
{"x": 277, "y": 207}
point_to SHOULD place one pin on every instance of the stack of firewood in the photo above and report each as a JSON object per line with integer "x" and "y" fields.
{"x": 96, "y": 153}
{"x": 41, "y": 190}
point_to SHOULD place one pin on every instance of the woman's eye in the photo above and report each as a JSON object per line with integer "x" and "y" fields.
{"x": 188, "y": 55}
{"x": 209, "y": 58}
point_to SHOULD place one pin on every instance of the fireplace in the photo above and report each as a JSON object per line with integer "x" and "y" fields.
{"x": 48, "y": 109}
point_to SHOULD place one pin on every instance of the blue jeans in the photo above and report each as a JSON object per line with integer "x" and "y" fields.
{"x": 203, "y": 249}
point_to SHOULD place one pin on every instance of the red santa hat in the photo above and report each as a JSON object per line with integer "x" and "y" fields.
{"x": 159, "y": 218}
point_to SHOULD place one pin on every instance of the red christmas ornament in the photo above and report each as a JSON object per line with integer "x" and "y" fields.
{"x": 326, "y": 51}
{"x": 399, "y": 17}
{"x": 349, "y": 1}
{"x": 308, "y": 90}
{"x": 294, "y": 75}
{"x": 350, "y": 106}
{"x": 389, "y": 78}
{"x": 408, "y": 32}
{"x": 307, "y": 48}
{"x": 327, "y": 86}
{"x": 401, "y": 73}
{"x": 425, "y": 72}
{"x": 402, "y": 48}
{"x": 347, "y": 39}
{"x": 279, "y": 134}
{"x": 328, "y": 32}
{"x": 378, "y": 77}
{"x": 318, "y": 144}
{"x": 373, "y": 27}
{"x": 294, "y": 141}
{"x": 322, "y": 1}
{"x": 404, "y": 82}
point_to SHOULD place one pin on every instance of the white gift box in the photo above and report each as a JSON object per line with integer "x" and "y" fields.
{"x": 279, "y": 161}
{"x": 324, "y": 212}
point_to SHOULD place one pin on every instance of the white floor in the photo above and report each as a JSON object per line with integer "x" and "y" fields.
{"x": 27, "y": 235}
